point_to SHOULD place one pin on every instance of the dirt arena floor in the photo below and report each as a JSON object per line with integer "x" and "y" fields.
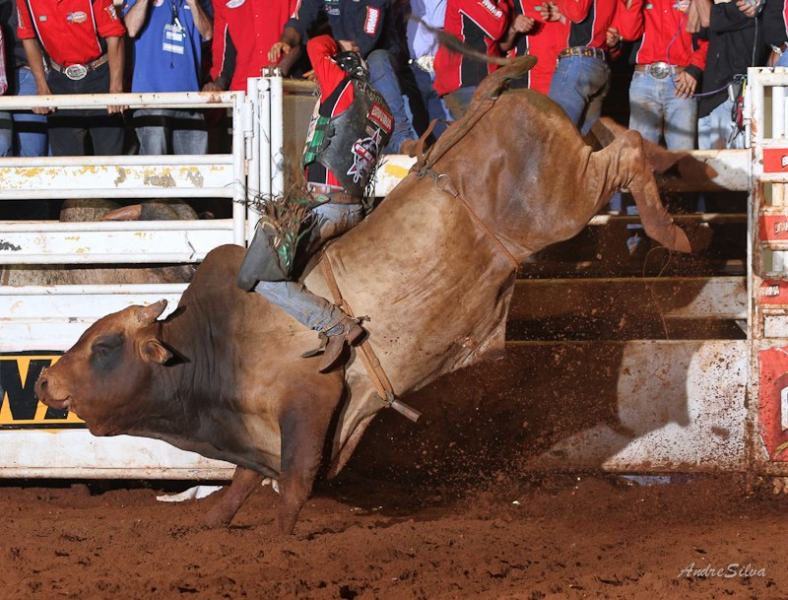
{"x": 557, "y": 537}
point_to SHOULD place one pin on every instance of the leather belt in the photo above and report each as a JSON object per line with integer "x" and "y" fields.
{"x": 330, "y": 193}
{"x": 582, "y": 51}
{"x": 78, "y": 72}
{"x": 781, "y": 49}
{"x": 659, "y": 70}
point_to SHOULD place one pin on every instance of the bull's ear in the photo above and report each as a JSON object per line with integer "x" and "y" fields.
{"x": 148, "y": 314}
{"x": 154, "y": 351}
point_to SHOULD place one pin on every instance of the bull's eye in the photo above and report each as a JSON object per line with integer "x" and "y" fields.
{"x": 106, "y": 351}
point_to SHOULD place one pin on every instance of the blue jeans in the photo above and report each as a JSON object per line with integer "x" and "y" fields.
{"x": 169, "y": 131}
{"x": 656, "y": 111}
{"x": 6, "y": 137}
{"x": 383, "y": 77}
{"x": 457, "y": 102}
{"x": 293, "y": 297}
{"x": 28, "y": 134}
{"x": 782, "y": 61}
{"x": 717, "y": 131}
{"x": 579, "y": 85}
{"x": 432, "y": 103}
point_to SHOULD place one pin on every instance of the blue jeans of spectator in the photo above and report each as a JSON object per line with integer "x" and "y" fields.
{"x": 383, "y": 77}
{"x": 22, "y": 133}
{"x": 432, "y": 102}
{"x": 30, "y": 130}
{"x": 656, "y": 111}
{"x": 169, "y": 131}
{"x": 293, "y": 297}
{"x": 782, "y": 61}
{"x": 717, "y": 130}
{"x": 457, "y": 102}
{"x": 579, "y": 85}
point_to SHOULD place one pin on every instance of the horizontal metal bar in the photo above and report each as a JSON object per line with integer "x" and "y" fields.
{"x": 122, "y": 160}
{"x": 599, "y": 220}
{"x": 97, "y": 246}
{"x": 106, "y": 226}
{"x": 158, "y": 100}
{"x": 95, "y": 290}
{"x": 119, "y": 177}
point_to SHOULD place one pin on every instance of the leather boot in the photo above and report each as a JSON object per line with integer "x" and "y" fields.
{"x": 350, "y": 333}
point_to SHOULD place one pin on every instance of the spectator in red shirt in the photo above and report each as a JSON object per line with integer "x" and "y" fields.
{"x": 82, "y": 41}
{"x": 543, "y": 39}
{"x": 349, "y": 129}
{"x": 480, "y": 24}
{"x": 669, "y": 63}
{"x": 243, "y": 33}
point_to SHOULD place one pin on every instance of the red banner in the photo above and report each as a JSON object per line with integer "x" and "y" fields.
{"x": 775, "y": 160}
{"x": 773, "y": 228}
{"x": 773, "y": 402}
{"x": 773, "y": 292}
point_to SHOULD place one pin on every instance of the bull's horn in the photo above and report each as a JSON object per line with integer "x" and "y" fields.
{"x": 148, "y": 314}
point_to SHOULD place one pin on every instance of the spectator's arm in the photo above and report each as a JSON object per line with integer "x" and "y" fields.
{"x": 366, "y": 24}
{"x": 3, "y": 78}
{"x": 201, "y": 21}
{"x": 698, "y": 58}
{"x": 491, "y": 17}
{"x": 629, "y": 19}
{"x": 116, "y": 54}
{"x": 727, "y": 17}
{"x": 222, "y": 66}
{"x": 303, "y": 19}
{"x": 135, "y": 14}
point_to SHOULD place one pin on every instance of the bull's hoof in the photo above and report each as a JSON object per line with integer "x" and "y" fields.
{"x": 217, "y": 519}
{"x": 699, "y": 237}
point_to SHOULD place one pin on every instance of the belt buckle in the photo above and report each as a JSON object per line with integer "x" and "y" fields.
{"x": 658, "y": 70}
{"x": 75, "y": 72}
{"x": 426, "y": 63}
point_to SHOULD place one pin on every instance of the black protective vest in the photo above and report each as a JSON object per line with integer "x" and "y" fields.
{"x": 350, "y": 144}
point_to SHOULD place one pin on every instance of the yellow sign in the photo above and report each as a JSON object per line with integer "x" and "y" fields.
{"x": 19, "y": 408}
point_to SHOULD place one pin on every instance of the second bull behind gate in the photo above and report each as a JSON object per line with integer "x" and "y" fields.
{"x": 433, "y": 268}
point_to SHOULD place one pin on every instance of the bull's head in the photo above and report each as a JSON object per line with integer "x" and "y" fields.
{"x": 106, "y": 375}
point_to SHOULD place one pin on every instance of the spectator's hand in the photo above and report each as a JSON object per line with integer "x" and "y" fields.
{"x": 612, "y": 37}
{"x": 747, "y": 9}
{"x": 555, "y": 13}
{"x": 522, "y": 24}
{"x": 310, "y": 75}
{"x": 211, "y": 86}
{"x": 685, "y": 85}
{"x": 278, "y": 50}
{"x": 43, "y": 110}
{"x": 347, "y": 46}
{"x": 115, "y": 108}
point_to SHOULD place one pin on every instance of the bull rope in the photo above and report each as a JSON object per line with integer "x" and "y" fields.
{"x": 375, "y": 371}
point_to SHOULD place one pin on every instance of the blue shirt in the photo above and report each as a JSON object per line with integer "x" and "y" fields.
{"x": 168, "y": 48}
{"x": 421, "y": 41}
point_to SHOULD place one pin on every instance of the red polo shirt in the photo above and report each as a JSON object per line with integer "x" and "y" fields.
{"x": 243, "y": 33}
{"x": 665, "y": 36}
{"x": 479, "y": 24}
{"x": 69, "y": 30}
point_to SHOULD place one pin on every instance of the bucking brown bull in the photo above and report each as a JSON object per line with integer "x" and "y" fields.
{"x": 433, "y": 268}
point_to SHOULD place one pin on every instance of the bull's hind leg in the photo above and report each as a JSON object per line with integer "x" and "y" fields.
{"x": 622, "y": 164}
{"x": 245, "y": 481}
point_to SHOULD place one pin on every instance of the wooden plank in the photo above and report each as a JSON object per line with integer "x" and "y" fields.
{"x": 672, "y": 297}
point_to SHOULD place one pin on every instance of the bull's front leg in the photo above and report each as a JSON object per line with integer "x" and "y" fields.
{"x": 245, "y": 481}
